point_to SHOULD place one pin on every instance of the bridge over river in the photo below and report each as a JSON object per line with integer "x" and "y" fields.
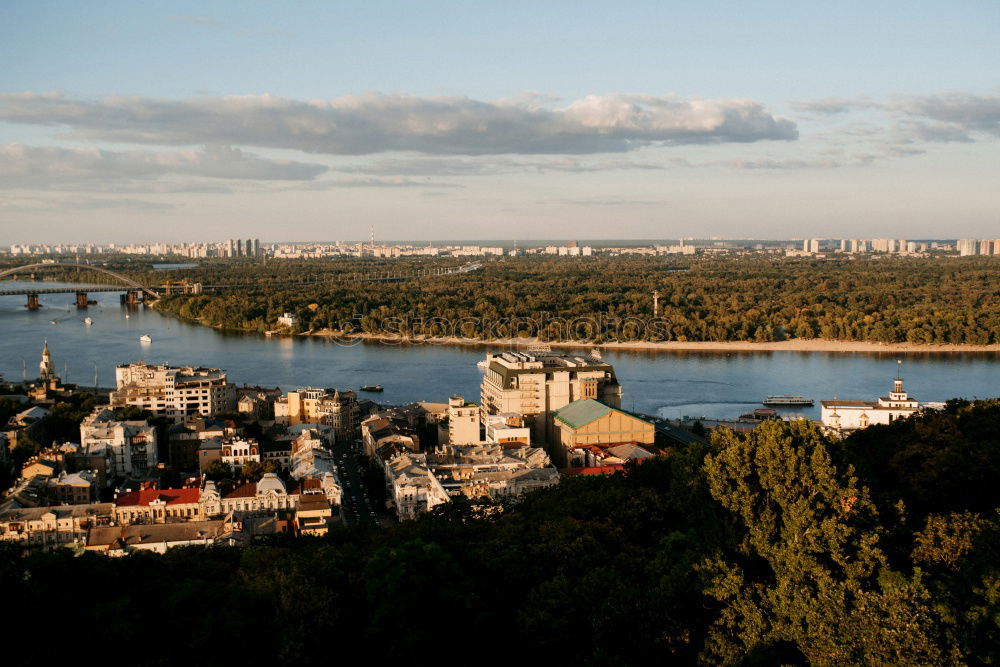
{"x": 135, "y": 293}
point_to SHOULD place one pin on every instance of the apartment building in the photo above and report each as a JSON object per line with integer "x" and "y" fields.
{"x": 536, "y": 385}
{"x": 129, "y": 448}
{"x": 149, "y": 506}
{"x": 462, "y": 423}
{"x": 49, "y": 527}
{"x": 238, "y": 452}
{"x": 506, "y": 429}
{"x": 413, "y": 489}
{"x": 269, "y": 496}
{"x": 175, "y": 392}
{"x": 331, "y": 407}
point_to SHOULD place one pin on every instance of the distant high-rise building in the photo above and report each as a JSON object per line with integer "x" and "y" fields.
{"x": 239, "y": 247}
{"x": 966, "y": 247}
{"x": 248, "y": 248}
{"x": 814, "y": 245}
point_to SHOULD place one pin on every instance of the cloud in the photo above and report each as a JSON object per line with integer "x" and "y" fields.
{"x": 911, "y": 131}
{"x": 933, "y": 118}
{"x": 777, "y": 164}
{"x": 49, "y": 203}
{"x": 375, "y": 123}
{"x": 967, "y": 113}
{"x": 832, "y": 105}
{"x": 91, "y": 203}
{"x": 491, "y": 166}
{"x": 375, "y": 182}
{"x": 69, "y": 168}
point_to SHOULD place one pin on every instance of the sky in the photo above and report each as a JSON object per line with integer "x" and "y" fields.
{"x": 182, "y": 121}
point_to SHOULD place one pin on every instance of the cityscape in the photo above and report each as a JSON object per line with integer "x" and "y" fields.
{"x": 660, "y": 333}
{"x": 251, "y": 248}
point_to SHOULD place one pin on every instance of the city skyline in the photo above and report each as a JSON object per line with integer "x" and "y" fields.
{"x": 137, "y": 124}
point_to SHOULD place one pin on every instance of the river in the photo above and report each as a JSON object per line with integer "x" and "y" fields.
{"x": 671, "y": 384}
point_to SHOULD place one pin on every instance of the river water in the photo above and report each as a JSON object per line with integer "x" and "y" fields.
{"x": 671, "y": 384}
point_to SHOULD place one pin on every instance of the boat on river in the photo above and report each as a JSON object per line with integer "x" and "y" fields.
{"x": 372, "y": 387}
{"x": 88, "y": 321}
{"x": 145, "y": 338}
{"x": 787, "y": 400}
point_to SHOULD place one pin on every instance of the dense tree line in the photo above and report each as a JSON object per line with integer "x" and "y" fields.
{"x": 775, "y": 547}
{"x": 884, "y": 299}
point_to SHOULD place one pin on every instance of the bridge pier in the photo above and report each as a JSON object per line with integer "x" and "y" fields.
{"x": 132, "y": 297}
{"x": 81, "y": 299}
{"x": 32, "y": 302}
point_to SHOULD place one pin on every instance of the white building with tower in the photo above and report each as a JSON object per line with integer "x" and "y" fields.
{"x": 852, "y": 415}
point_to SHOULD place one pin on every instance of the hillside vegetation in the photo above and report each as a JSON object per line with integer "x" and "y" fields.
{"x": 889, "y": 300}
{"x": 777, "y": 547}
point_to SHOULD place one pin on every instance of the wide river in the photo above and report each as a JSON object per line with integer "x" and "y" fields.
{"x": 671, "y": 384}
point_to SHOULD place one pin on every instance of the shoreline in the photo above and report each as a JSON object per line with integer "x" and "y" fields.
{"x": 793, "y": 345}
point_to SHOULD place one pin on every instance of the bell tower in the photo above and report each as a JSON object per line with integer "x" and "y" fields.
{"x": 46, "y": 369}
{"x": 897, "y": 385}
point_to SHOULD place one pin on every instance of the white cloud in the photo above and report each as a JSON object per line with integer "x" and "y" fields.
{"x": 832, "y": 105}
{"x": 70, "y": 168}
{"x": 492, "y": 165}
{"x": 375, "y": 123}
{"x": 965, "y": 113}
{"x": 933, "y": 118}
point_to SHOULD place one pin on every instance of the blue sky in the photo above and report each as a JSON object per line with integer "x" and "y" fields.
{"x": 434, "y": 120}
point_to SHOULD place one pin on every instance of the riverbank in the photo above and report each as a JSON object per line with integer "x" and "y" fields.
{"x": 793, "y": 345}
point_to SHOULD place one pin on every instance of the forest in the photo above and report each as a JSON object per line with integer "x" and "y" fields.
{"x": 781, "y": 546}
{"x": 602, "y": 299}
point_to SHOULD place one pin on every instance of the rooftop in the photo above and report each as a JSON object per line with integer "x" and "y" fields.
{"x": 582, "y": 412}
{"x": 168, "y": 496}
{"x": 160, "y": 532}
{"x": 511, "y": 364}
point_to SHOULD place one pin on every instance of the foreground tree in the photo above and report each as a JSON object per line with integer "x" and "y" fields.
{"x": 808, "y": 580}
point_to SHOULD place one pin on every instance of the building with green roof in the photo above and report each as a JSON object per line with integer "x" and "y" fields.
{"x": 588, "y": 423}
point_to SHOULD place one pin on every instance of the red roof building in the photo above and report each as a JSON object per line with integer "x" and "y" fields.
{"x": 158, "y": 506}
{"x": 165, "y": 496}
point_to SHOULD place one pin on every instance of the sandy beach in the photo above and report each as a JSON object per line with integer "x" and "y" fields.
{"x": 794, "y": 345}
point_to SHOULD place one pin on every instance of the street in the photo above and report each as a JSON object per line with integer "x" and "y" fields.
{"x": 357, "y": 507}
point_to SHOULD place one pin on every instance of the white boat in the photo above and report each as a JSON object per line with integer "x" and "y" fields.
{"x": 483, "y": 364}
{"x": 145, "y": 338}
{"x": 88, "y": 321}
{"x": 126, "y": 316}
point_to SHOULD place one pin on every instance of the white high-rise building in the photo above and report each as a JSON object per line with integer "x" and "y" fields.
{"x": 535, "y": 385}
{"x": 172, "y": 391}
{"x": 966, "y": 247}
